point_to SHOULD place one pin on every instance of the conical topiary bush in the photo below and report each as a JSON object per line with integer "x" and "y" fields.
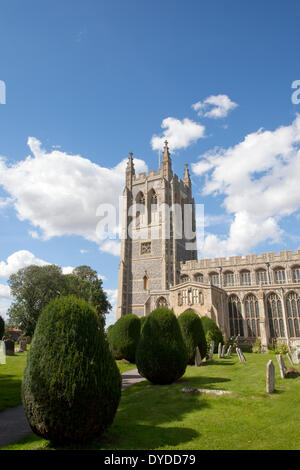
{"x": 124, "y": 336}
{"x": 212, "y": 332}
{"x": 161, "y": 354}
{"x": 71, "y": 385}
{"x": 193, "y": 334}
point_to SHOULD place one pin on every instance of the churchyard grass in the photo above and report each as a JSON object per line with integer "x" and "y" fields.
{"x": 125, "y": 365}
{"x": 163, "y": 417}
{"x": 11, "y": 375}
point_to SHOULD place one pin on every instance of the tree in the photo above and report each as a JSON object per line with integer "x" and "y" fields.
{"x": 212, "y": 332}
{"x": 34, "y": 286}
{"x": 71, "y": 386}
{"x": 193, "y": 334}
{"x": 124, "y": 336}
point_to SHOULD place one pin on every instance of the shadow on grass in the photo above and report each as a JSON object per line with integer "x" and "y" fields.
{"x": 10, "y": 391}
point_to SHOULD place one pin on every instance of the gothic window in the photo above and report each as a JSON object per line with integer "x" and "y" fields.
{"x": 162, "y": 302}
{"x": 214, "y": 279}
{"x": 198, "y": 277}
{"x": 228, "y": 278}
{"x": 196, "y": 296}
{"x": 245, "y": 278}
{"x": 252, "y": 315}
{"x": 179, "y": 298}
{"x": 145, "y": 282}
{"x": 261, "y": 276}
{"x": 275, "y": 316}
{"x": 140, "y": 199}
{"x": 152, "y": 198}
{"x": 145, "y": 248}
{"x": 235, "y": 316}
{"x": 296, "y": 274}
{"x": 293, "y": 314}
{"x": 184, "y": 278}
{"x": 279, "y": 276}
{"x": 185, "y": 297}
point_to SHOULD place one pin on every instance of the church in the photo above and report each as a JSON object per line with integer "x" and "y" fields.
{"x": 254, "y": 296}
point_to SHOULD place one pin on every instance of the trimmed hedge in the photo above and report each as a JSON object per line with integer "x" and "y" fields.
{"x": 161, "y": 354}
{"x": 71, "y": 385}
{"x": 212, "y": 332}
{"x": 124, "y": 336}
{"x": 193, "y": 334}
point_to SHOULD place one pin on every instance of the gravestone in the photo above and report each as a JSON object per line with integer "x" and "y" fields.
{"x": 228, "y": 351}
{"x": 198, "y": 361}
{"x": 23, "y": 345}
{"x": 2, "y": 353}
{"x": 211, "y": 351}
{"x": 296, "y": 356}
{"x": 219, "y": 350}
{"x": 10, "y": 347}
{"x": 290, "y": 358}
{"x": 270, "y": 377}
{"x": 281, "y": 364}
{"x": 223, "y": 351}
{"x": 240, "y": 355}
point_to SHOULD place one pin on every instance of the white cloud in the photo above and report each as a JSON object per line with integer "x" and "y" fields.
{"x": 259, "y": 179}
{"x": 214, "y": 106}
{"x": 179, "y": 134}
{"x": 4, "y": 291}
{"x": 112, "y": 295}
{"x": 111, "y": 246}
{"x": 83, "y": 251}
{"x": 60, "y": 193}
{"x": 18, "y": 260}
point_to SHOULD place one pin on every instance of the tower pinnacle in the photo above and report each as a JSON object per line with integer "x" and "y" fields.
{"x": 167, "y": 163}
{"x": 186, "y": 177}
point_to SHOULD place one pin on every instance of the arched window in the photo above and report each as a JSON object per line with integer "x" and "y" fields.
{"x": 198, "y": 277}
{"x": 145, "y": 281}
{"x": 184, "y": 278}
{"x": 152, "y": 198}
{"x": 228, "y": 278}
{"x": 196, "y": 296}
{"x": 214, "y": 278}
{"x": 275, "y": 316}
{"x": 261, "y": 276}
{"x": 252, "y": 315}
{"x": 293, "y": 314}
{"x": 185, "y": 297}
{"x": 279, "y": 275}
{"x": 245, "y": 277}
{"x": 235, "y": 316}
{"x": 179, "y": 299}
{"x": 140, "y": 199}
{"x": 161, "y": 302}
{"x": 296, "y": 274}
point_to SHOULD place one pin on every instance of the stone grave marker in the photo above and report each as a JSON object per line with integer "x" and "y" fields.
{"x": 223, "y": 351}
{"x": 296, "y": 356}
{"x": 2, "y": 353}
{"x": 10, "y": 347}
{"x": 23, "y": 345}
{"x": 211, "y": 351}
{"x": 281, "y": 364}
{"x": 270, "y": 377}
{"x": 198, "y": 361}
{"x": 219, "y": 350}
{"x": 228, "y": 351}
{"x": 290, "y": 358}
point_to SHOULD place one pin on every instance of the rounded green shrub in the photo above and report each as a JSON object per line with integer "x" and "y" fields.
{"x": 193, "y": 334}
{"x": 212, "y": 332}
{"x": 143, "y": 319}
{"x": 2, "y": 327}
{"x": 123, "y": 338}
{"x": 161, "y": 354}
{"x": 71, "y": 386}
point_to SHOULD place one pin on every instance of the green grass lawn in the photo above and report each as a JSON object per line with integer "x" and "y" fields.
{"x": 125, "y": 365}
{"x": 163, "y": 417}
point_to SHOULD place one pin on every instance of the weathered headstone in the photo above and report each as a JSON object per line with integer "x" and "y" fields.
{"x": 228, "y": 351}
{"x": 296, "y": 356}
{"x": 198, "y": 361}
{"x": 211, "y": 351}
{"x": 10, "y": 347}
{"x": 2, "y": 353}
{"x": 219, "y": 350}
{"x": 23, "y": 345}
{"x": 270, "y": 377}
{"x": 223, "y": 350}
{"x": 240, "y": 355}
{"x": 281, "y": 364}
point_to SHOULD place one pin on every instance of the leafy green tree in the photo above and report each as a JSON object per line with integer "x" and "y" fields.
{"x": 124, "y": 336}
{"x": 34, "y": 286}
{"x": 193, "y": 334}
{"x": 212, "y": 332}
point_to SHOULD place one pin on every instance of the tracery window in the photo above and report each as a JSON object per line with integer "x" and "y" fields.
{"x": 275, "y": 316}
{"x": 198, "y": 277}
{"x": 261, "y": 276}
{"x": 185, "y": 297}
{"x": 296, "y": 274}
{"x": 252, "y": 315}
{"x": 196, "y": 296}
{"x": 228, "y": 278}
{"x": 245, "y": 278}
{"x": 162, "y": 302}
{"x": 235, "y": 316}
{"x": 214, "y": 278}
{"x": 293, "y": 314}
{"x": 279, "y": 276}
{"x": 184, "y": 278}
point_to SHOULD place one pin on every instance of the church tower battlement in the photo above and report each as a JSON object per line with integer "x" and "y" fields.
{"x": 153, "y": 242}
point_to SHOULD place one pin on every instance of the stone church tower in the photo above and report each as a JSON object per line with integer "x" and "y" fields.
{"x": 156, "y": 208}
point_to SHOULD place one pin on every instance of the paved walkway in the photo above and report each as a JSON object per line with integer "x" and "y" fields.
{"x": 13, "y": 422}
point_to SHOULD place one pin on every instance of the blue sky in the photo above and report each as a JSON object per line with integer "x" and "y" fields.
{"x": 89, "y": 81}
